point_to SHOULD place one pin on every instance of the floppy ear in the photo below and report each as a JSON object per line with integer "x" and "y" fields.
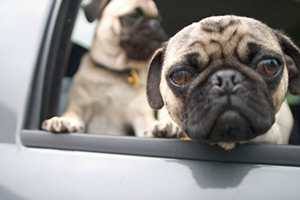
{"x": 153, "y": 80}
{"x": 292, "y": 59}
{"x": 94, "y": 9}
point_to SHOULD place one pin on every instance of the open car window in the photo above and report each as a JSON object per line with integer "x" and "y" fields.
{"x": 68, "y": 37}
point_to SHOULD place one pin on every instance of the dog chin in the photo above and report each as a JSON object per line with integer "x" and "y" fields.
{"x": 228, "y": 128}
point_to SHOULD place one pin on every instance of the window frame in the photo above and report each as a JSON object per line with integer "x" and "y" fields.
{"x": 43, "y": 104}
{"x": 287, "y": 155}
{"x": 51, "y": 65}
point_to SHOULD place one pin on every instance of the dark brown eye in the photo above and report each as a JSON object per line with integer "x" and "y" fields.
{"x": 129, "y": 19}
{"x": 181, "y": 77}
{"x": 268, "y": 67}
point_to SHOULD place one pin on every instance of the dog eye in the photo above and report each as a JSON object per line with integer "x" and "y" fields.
{"x": 181, "y": 77}
{"x": 133, "y": 16}
{"x": 129, "y": 19}
{"x": 268, "y": 67}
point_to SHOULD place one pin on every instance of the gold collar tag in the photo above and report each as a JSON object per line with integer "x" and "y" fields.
{"x": 133, "y": 78}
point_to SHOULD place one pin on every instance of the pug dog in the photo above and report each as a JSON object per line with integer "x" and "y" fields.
{"x": 224, "y": 81}
{"x": 108, "y": 93}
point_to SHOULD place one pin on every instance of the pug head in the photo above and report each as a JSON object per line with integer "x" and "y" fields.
{"x": 128, "y": 31}
{"x": 224, "y": 78}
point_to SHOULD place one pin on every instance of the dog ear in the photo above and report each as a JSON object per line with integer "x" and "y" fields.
{"x": 94, "y": 9}
{"x": 153, "y": 80}
{"x": 292, "y": 59}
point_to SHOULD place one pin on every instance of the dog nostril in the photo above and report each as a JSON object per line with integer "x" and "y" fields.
{"x": 219, "y": 81}
{"x": 236, "y": 79}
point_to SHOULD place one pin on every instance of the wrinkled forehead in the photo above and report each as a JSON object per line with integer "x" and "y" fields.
{"x": 227, "y": 35}
{"x": 120, "y": 7}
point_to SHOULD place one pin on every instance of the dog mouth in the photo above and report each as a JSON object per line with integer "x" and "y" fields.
{"x": 228, "y": 121}
{"x": 230, "y": 126}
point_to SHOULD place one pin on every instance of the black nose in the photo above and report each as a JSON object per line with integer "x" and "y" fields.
{"x": 227, "y": 80}
{"x": 154, "y": 24}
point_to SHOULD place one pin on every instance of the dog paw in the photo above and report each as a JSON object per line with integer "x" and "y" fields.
{"x": 166, "y": 129}
{"x": 62, "y": 124}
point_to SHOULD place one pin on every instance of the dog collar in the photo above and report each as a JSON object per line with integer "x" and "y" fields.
{"x": 132, "y": 78}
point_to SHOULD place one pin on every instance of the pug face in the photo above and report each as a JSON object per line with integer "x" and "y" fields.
{"x": 224, "y": 78}
{"x": 129, "y": 31}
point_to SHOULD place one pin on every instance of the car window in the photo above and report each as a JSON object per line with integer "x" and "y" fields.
{"x": 68, "y": 37}
{"x": 83, "y": 31}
